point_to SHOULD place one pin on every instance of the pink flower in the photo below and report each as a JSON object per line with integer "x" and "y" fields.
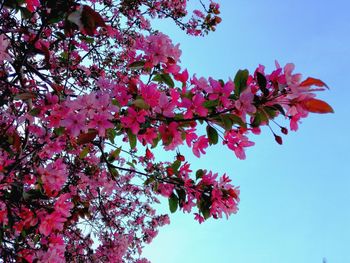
{"x": 4, "y": 43}
{"x": 63, "y": 206}
{"x": 150, "y": 94}
{"x": 199, "y": 146}
{"x": 32, "y": 5}
{"x": 3, "y": 214}
{"x": 52, "y": 222}
{"x": 55, "y": 253}
{"x": 183, "y": 76}
{"x": 148, "y": 136}
{"x": 53, "y": 176}
{"x": 74, "y": 123}
{"x": 221, "y": 92}
{"x": 245, "y": 103}
{"x": 165, "y": 106}
{"x": 133, "y": 119}
{"x": 158, "y": 48}
{"x": 170, "y": 135}
{"x": 291, "y": 78}
{"x": 194, "y": 106}
{"x": 190, "y": 136}
{"x": 236, "y": 141}
{"x": 165, "y": 189}
{"x": 199, "y": 218}
{"x": 101, "y": 123}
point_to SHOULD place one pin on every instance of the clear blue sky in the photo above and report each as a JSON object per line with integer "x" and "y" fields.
{"x": 295, "y": 198}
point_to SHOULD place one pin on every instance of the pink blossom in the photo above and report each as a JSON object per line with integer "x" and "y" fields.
{"x": 170, "y": 135}
{"x": 165, "y": 189}
{"x": 4, "y": 43}
{"x": 53, "y": 176}
{"x": 158, "y": 48}
{"x": 133, "y": 119}
{"x": 3, "y": 213}
{"x": 221, "y": 92}
{"x": 150, "y": 94}
{"x": 165, "y": 106}
{"x": 291, "y": 78}
{"x": 199, "y": 218}
{"x": 74, "y": 123}
{"x": 201, "y": 84}
{"x": 194, "y": 106}
{"x": 245, "y": 103}
{"x": 148, "y": 137}
{"x": 101, "y": 123}
{"x": 237, "y": 141}
{"x": 52, "y": 222}
{"x": 32, "y": 5}
{"x": 199, "y": 145}
{"x": 183, "y": 76}
{"x": 63, "y": 206}
{"x": 55, "y": 253}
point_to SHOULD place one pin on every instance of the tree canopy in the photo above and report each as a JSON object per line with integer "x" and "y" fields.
{"x": 88, "y": 90}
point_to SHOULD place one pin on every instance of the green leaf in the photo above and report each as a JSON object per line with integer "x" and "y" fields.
{"x": 132, "y": 139}
{"x": 116, "y": 153}
{"x": 168, "y": 80}
{"x": 280, "y": 109}
{"x": 114, "y": 172}
{"x": 141, "y": 104}
{"x": 182, "y": 196}
{"x": 64, "y": 56}
{"x": 206, "y": 213}
{"x": 204, "y": 205}
{"x": 173, "y": 203}
{"x": 59, "y": 131}
{"x": 34, "y": 112}
{"x": 165, "y": 78}
{"x": 84, "y": 152}
{"x": 149, "y": 180}
{"x": 199, "y": 174}
{"x": 55, "y": 19}
{"x": 25, "y": 13}
{"x": 88, "y": 40}
{"x": 211, "y": 104}
{"x": 237, "y": 120}
{"x": 270, "y": 111}
{"x": 155, "y": 186}
{"x": 176, "y": 165}
{"x": 137, "y": 65}
{"x": 226, "y": 121}
{"x": 212, "y": 135}
{"x": 131, "y": 164}
{"x": 241, "y": 81}
{"x": 262, "y": 82}
{"x": 259, "y": 118}
{"x": 111, "y": 134}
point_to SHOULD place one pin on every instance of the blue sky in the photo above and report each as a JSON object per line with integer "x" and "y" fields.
{"x": 295, "y": 197}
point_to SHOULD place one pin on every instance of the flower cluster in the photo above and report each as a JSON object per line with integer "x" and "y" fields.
{"x": 88, "y": 89}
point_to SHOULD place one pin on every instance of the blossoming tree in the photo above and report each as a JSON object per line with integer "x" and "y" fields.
{"x": 88, "y": 90}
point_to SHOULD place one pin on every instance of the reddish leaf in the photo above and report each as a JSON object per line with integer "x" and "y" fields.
{"x": 312, "y": 81}
{"x": 86, "y": 19}
{"x": 317, "y": 106}
{"x": 16, "y": 141}
{"x": 91, "y": 20}
{"x": 86, "y": 137}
